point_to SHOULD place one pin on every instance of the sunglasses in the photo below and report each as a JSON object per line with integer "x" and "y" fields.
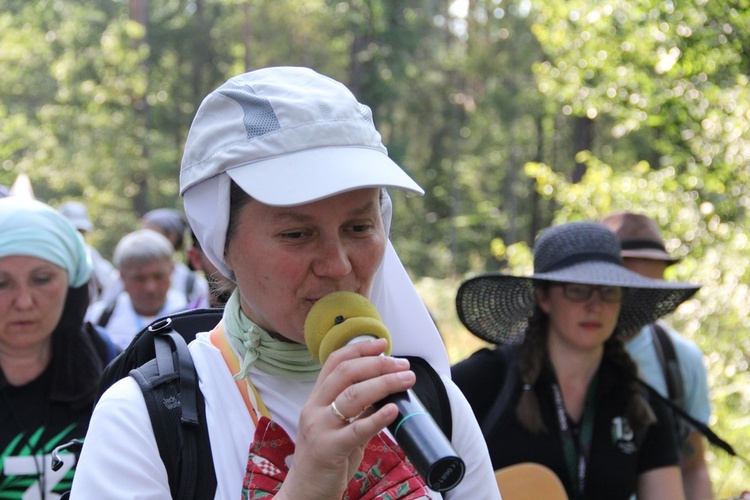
{"x": 577, "y": 292}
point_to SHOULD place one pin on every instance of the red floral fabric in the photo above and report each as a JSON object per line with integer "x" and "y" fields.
{"x": 384, "y": 474}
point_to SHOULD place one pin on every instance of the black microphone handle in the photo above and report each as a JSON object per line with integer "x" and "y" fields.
{"x": 422, "y": 440}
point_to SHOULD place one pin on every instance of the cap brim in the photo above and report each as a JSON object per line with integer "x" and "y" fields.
{"x": 82, "y": 225}
{"x": 311, "y": 175}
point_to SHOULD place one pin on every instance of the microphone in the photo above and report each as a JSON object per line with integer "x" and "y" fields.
{"x": 341, "y": 318}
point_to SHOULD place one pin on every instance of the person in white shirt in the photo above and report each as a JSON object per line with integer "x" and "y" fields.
{"x": 284, "y": 178}
{"x": 145, "y": 261}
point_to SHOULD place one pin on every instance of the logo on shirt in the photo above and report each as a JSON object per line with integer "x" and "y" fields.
{"x": 623, "y": 436}
{"x": 26, "y": 467}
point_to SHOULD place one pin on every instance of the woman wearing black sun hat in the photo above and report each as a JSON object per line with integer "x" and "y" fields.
{"x": 560, "y": 390}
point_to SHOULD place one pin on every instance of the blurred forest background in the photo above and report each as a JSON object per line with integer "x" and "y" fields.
{"x": 512, "y": 114}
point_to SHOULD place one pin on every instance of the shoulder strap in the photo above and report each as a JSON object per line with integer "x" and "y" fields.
{"x": 430, "y": 390}
{"x": 141, "y": 349}
{"x": 501, "y": 403}
{"x": 177, "y": 412}
{"x": 669, "y": 363}
{"x": 700, "y": 426}
{"x": 107, "y": 313}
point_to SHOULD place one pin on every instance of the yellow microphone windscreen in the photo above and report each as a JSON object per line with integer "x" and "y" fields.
{"x": 338, "y": 318}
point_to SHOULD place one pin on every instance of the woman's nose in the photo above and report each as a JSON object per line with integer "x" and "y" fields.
{"x": 332, "y": 260}
{"x": 23, "y": 299}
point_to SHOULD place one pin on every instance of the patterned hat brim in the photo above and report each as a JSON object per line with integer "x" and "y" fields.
{"x": 496, "y": 307}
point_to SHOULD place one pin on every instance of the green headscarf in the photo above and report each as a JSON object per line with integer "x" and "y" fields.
{"x": 256, "y": 347}
{"x": 34, "y": 229}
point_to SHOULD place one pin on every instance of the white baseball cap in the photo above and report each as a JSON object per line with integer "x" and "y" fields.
{"x": 77, "y": 214}
{"x": 287, "y": 136}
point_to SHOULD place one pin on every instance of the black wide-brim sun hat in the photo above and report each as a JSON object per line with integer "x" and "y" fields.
{"x": 496, "y": 307}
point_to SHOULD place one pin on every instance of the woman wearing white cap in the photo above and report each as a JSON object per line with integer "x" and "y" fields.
{"x": 561, "y": 390}
{"x": 283, "y": 178}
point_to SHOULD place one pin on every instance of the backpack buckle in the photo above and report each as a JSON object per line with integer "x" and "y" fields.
{"x": 160, "y": 325}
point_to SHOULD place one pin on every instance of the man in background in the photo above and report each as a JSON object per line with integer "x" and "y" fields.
{"x": 643, "y": 252}
{"x": 173, "y": 225}
{"x": 145, "y": 261}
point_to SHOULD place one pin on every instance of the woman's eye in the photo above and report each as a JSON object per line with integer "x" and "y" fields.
{"x": 293, "y": 235}
{"x": 42, "y": 279}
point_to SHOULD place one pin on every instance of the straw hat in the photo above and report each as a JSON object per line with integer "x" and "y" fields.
{"x": 496, "y": 307}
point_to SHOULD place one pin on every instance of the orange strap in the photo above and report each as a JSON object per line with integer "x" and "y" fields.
{"x": 245, "y": 386}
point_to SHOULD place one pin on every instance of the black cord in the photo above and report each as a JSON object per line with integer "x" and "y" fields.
{"x": 704, "y": 429}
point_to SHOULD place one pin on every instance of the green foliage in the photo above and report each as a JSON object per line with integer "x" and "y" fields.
{"x": 492, "y": 106}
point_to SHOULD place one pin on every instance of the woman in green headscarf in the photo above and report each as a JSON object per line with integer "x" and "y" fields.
{"x": 50, "y": 362}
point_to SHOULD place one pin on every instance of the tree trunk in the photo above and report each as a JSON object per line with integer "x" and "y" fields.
{"x": 139, "y": 13}
{"x": 583, "y": 138}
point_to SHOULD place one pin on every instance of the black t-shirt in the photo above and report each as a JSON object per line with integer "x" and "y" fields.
{"x": 31, "y": 427}
{"x": 616, "y": 456}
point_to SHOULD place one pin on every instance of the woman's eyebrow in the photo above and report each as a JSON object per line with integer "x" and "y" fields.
{"x": 294, "y": 215}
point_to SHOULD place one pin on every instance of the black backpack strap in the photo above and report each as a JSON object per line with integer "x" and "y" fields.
{"x": 142, "y": 348}
{"x": 177, "y": 412}
{"x": 430, "y": 390}
{"x": 107, "y": 313}
{"x": 501, "y": 402}
{"x": 669, "y": 363}
{"x": 712, "y": 437}
{"x": 670, "y": 366}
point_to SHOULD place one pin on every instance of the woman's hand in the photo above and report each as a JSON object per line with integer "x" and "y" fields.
{"x": 328, "y": 449}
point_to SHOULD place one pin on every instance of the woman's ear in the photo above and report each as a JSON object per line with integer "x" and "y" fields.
{"x": 542, "y": 299}
{"x": 228, "y": 260}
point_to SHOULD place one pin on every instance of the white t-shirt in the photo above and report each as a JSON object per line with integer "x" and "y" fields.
{"x": 124, "y": 322}
{"x": 124, "y": 463}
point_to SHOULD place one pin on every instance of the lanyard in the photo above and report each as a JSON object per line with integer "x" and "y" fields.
{"x": 576, "y": 448}
{"x": 247, "y": 389}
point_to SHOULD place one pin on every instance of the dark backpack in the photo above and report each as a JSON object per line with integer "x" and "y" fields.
{"x": 159, "y": 360}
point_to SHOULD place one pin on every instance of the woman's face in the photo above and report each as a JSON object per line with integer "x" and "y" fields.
{"x": 286, "y": 258}
{"x": 580, "y": 324}
{"x": 32, "y": 297}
